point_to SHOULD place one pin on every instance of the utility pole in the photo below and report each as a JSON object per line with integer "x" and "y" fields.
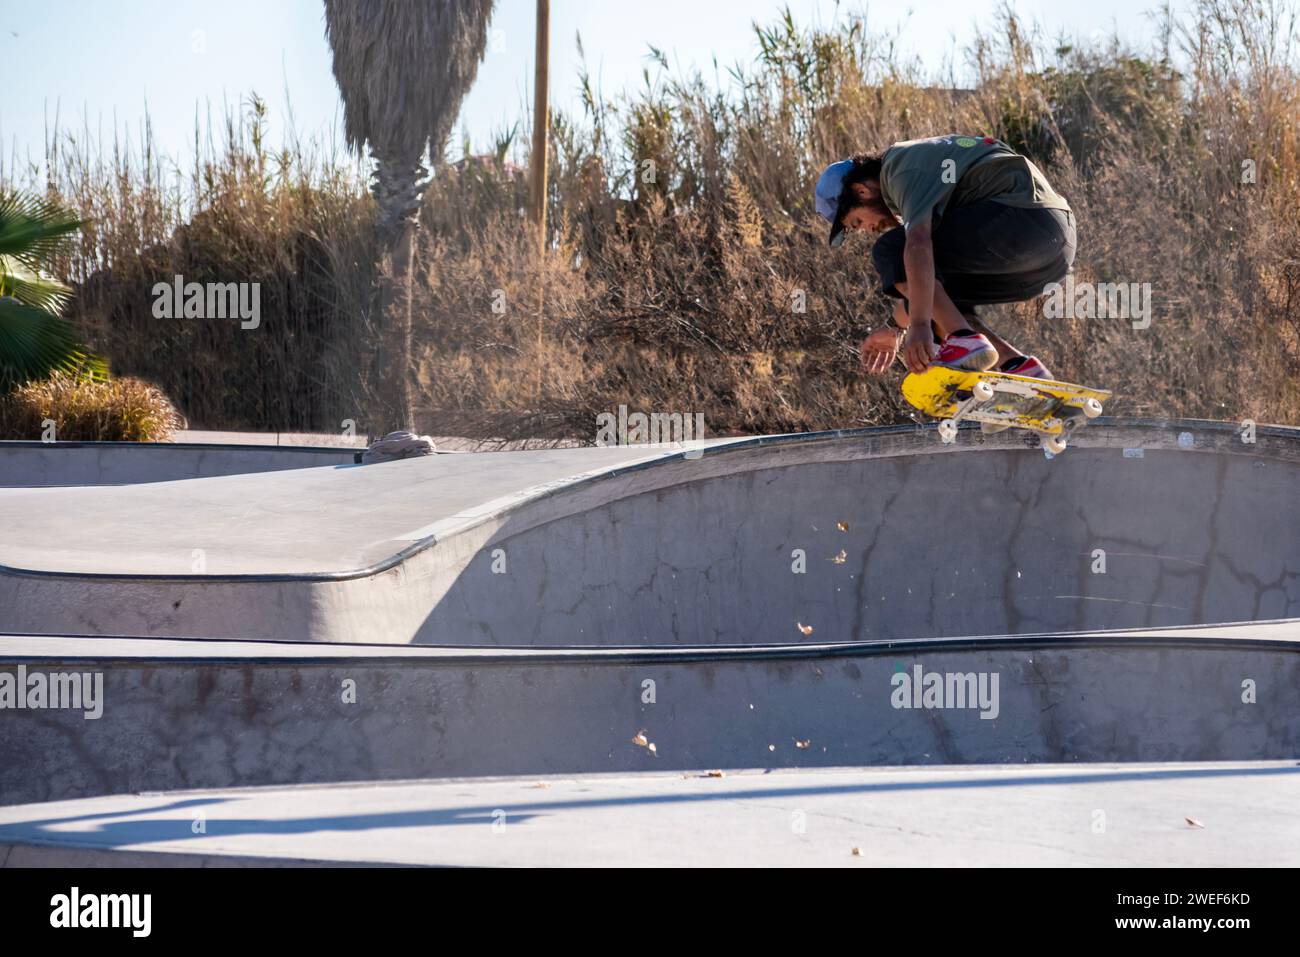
{"x": 541, "y": 119}
{"x": 541, "y": 129}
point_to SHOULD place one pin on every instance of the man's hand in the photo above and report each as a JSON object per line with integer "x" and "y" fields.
{"x": 879, "y": 349}
{"x": 918, "y": 346}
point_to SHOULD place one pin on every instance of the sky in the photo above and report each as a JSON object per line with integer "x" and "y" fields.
{"x": 97, "y": 64}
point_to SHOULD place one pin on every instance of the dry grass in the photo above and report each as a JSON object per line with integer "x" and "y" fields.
{"x": 70, "y": 409}
{"x": 682, "y": 291}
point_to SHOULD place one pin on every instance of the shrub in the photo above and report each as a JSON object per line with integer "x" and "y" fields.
{"x": 86, "y": 410}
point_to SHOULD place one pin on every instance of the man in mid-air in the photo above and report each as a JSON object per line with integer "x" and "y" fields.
{"x": 962, "y": 221}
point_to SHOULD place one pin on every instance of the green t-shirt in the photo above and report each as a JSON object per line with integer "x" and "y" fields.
{"x": 916, "y": 177}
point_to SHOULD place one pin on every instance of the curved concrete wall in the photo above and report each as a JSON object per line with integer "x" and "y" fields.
{"x": 40, "y": 464}
{"x": 989, "y": 543}
{"x": 1138, "y": 524}
{"x": 177, "y": 717}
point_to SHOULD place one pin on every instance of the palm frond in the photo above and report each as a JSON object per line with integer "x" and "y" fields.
{"x": 31, "y": 288}
{"x": 35, "y": 344}
{"x": 34, "y": 229}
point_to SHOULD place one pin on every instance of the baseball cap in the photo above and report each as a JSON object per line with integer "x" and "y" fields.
{"x": 827, "y": 194}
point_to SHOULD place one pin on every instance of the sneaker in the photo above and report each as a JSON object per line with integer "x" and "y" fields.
{"x": 1029, "y": 366}
{"x": 968, "y": 351}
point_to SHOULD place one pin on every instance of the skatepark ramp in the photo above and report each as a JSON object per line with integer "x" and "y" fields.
{"x": 839, "y": 537}
{"x": 171, "y": 714}
{"x": 860, "y": 598}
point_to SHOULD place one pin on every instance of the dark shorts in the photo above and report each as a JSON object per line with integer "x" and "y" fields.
{"x": 987, "y": 253}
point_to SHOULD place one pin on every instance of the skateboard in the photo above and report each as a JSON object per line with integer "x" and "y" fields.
{"x": 1051, "y": 409}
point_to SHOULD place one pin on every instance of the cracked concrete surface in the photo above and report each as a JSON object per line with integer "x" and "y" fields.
{"x": 630, "y": 547}
{"x": 204, "y": 714}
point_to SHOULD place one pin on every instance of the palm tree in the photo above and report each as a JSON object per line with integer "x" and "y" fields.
{"x": 402, "y": 67}
{"x": 35, "y": 340}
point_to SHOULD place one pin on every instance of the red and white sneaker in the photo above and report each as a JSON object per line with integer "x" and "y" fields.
{"x": 1029, "y": 366}
{"x": 969, "y": 352}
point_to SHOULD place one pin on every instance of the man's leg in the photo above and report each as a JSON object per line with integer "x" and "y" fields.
{"x": 1005, "y": 349}
{"x": 948, "y": 318}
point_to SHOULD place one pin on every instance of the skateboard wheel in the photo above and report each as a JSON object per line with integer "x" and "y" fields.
{"x": 1091, "y": 408}
{"x": 982, "y": 391}
{"x": 1054, "y": 444}
{"x": 947, "y": 430}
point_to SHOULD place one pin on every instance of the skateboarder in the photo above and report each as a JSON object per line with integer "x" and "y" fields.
{"x": 962, "y": 221}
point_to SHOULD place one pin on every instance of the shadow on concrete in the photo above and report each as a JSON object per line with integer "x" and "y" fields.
{"x": 141, "y": 831}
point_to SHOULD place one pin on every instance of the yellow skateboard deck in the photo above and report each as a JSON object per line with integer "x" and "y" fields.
{"x": 1051, "y": 409}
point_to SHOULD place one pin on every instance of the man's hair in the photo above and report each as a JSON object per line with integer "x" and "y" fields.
{"x": 865, "y": 166}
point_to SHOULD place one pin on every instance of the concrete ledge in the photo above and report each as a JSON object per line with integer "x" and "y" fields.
{"x": 179, "y": 723}
{"x": 54, "y": 464}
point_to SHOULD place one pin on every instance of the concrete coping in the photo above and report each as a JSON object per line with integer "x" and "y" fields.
{"x": 1280, "y": 442}
{"x": 1276, "y": 635}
